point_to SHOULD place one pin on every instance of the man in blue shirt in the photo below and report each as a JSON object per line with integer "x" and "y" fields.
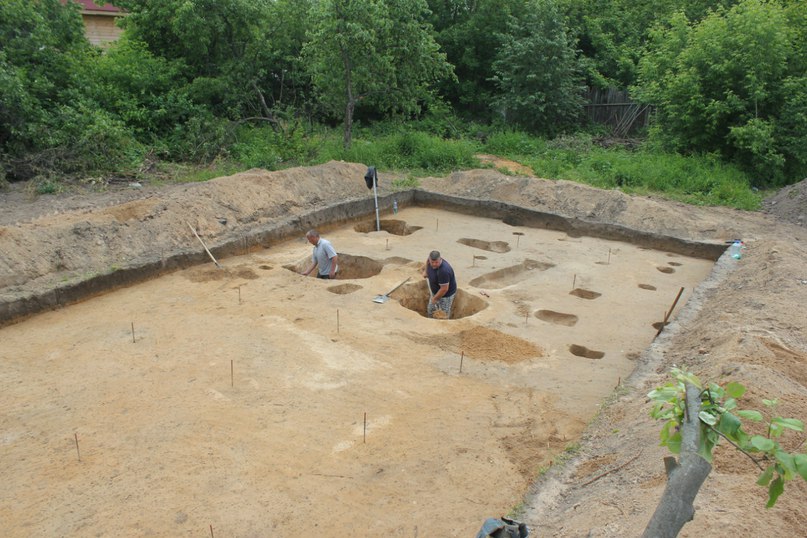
{"x": 442, "y": 286}
{"x": 324, "y": 256}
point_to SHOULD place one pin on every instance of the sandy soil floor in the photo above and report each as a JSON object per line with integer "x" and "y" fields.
{"x": 255, "y": 402}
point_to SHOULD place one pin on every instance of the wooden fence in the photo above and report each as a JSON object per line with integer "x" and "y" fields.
{"x": 614, "y": 108}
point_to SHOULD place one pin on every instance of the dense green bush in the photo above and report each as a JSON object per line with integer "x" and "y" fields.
{"x": 148, "y": 93}
{"x": 264, "y": 147}
{"x": 725, "y": 84}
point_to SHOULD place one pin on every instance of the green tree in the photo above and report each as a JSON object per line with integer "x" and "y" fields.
{"x": 237, "y": 57}
{"x": 610, "y": 34}
{"x": 41, "y": 42}
{"x": 48, "y": 121}
{"x": 471, "y": 34}
{"x": 718, "y": 87}
{"x": 146, "y": 92}
{"x": 380, "y": 53}
{"x": 536, "y": 72}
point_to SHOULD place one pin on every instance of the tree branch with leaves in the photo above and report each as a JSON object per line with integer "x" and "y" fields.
{"x": 696, "y": 417}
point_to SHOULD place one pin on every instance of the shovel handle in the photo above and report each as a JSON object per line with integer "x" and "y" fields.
{"x": 399, "y": 285}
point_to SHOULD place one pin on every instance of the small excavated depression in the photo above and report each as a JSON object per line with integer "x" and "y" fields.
{"x": 491, "y": 246}
{"x": 585, "y": 294}
{"x": 583, "y": 351}
{"x": 344, "y": 289}
{"x": 510, "y": 275}
{"x": 558, "y": 318}
{"x": 391, "y": 226}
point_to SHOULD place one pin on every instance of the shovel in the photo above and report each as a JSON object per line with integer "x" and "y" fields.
{"x": 381, "y": 299}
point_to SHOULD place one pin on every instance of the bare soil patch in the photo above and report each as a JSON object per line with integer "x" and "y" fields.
{"x": 171, "y": 443}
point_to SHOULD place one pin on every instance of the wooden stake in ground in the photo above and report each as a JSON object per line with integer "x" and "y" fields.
{"x": 231, "y": 373}
{"x": 387, "y": 247}
{"x": 211, "y": 531}
{"x": 337, "y": 321}
{"x": 133, "y": 335}
{"x": 462, "y": 356}
{"x": 203, "y": 244}
{"x": 574, "y": 280}
{"x": 609, "y": 256}
{"x": 437, "y": 225}
{"x": 77, "y": 451}
{"x": 365, "y": 426}
{"x": 667, "y": 315}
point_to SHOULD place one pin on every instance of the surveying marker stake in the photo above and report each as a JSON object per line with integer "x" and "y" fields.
{"x": 574, "y": 281}
{"x": 365, "y": 427}
{"x": 231, "y": 373}
{"x": 77, "y": 451}
{"x": 462, "y": 356}
{"x": 337, "y": 321}
{"x": 133, "y": 334}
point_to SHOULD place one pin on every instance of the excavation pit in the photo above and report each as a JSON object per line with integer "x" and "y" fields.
{"x": 164, "y": 400}
{"x": 509, "y": 276}
{"x": 350, "y": 266}
{"x": 585, "y": 294}
{"x": 416, "y": 297}
{"x": 491, "y": 246}
{"x": 558, "y": 318}
{"x": 391, "y": 226}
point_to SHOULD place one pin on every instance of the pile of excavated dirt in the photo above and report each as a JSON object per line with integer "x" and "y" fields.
{"x": 745, "y": 323}
{"x": 789, "y": 204}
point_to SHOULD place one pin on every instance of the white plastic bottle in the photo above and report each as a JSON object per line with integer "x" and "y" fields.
{"x": 736, "y": 250}
{"x": 395, "y": 206}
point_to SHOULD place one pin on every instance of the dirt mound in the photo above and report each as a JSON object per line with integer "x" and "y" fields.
{"x": 789, "y": 204}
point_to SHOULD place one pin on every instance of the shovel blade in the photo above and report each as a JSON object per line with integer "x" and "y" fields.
{"x": 381, "y": 299}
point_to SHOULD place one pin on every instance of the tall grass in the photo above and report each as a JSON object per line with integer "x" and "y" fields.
{"x": 698, "y": 180}
{"x": 416, "y": 152}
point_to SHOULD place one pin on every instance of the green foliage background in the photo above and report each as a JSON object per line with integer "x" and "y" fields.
{"x": 414, "y": 85}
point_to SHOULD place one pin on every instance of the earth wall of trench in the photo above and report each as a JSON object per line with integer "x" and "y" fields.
{"x": 239, "y": 242}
